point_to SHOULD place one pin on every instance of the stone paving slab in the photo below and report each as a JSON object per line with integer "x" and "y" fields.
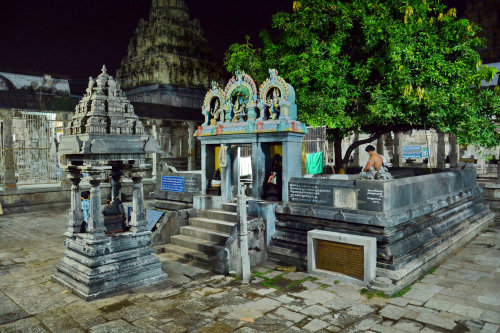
{"x": 462, "y": 294}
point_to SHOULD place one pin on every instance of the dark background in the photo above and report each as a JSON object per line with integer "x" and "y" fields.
{"x": 72, "y": 39}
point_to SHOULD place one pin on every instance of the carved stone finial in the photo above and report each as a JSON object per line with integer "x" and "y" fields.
{"x": 273, "y": 73}
{"x": 90, "y": 86}
{"x": 215, "y": 85}
{"x": 239, "y": 75}
{"x": 103, "y": 69}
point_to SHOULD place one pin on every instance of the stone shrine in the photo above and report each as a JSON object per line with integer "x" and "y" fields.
{"x": 242, "y": 115}
{"x": 105, "y": 136}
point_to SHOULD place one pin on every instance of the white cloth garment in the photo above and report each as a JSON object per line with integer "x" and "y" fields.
{"x": 245, "y": 166}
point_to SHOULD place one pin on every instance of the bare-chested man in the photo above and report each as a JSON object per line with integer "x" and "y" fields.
{"x": 375, "y": 160}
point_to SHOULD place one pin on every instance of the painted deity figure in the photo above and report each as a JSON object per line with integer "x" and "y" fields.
{"x": 215, "y": 112}
{"x": 274, "y": 104}
{"x": 238, "y": 111}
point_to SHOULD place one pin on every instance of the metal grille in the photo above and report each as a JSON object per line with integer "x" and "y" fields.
{"x": 315, "y": 141}
{"x": 35, "y": 148}
{"x": 245, "y": 150}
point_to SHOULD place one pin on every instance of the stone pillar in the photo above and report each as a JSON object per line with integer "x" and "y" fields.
{"x": 207, "y": 165}
{"x": 235, "y": 186}
{"x": 75, "y": 218}
{"x": 243, "y": 238}
{"x": 138, "y": 217}
{"x": 9, "y": 165}
{"x": 170, "y": 138}
{"x": 397, "y": 157}
{"x": 156, "y": 156}
{"x": 96, "y": 220}
{"x": 258, "y": 170}
{"x": 498, "y": 168}
{"x": 441, "y": 155}
{"x": 191, "y": 146}
{"x": 453, "y": 151}
{"x": 432, "y": 139}
{"x": 291, "y": 163}
{"x": 226, "y": 174}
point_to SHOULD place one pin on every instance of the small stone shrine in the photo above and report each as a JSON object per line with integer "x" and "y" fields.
{"x": 105, "y": 136}
{"x": 242, "y": 115}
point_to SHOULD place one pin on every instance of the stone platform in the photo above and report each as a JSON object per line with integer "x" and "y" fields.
{"x": 94, "y": 268}
{"x": 417, "y": 221}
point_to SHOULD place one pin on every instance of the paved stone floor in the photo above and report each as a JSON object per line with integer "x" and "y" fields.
{"x": 461, "y": 295}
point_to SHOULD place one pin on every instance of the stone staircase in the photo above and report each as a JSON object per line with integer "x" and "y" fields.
{"x": 205, "y": 235}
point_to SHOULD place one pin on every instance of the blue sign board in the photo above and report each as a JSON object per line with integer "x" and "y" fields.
{"x": 172, "y": 184}
{"x": 152, "y": 216}
{"x": 415, "y": 152}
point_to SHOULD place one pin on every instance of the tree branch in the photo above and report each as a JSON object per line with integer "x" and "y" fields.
{"x": 358, "y": 143}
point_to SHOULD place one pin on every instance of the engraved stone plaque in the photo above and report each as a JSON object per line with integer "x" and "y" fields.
{"x": 341, "y": 258}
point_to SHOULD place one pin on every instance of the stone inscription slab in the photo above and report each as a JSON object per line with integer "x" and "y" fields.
{"x": 193, "y": 183}
{"x": 375, "y": 196}
{"x": 172, "y": 184}
{"x": 370, "y": 196}
{"x": 340, "y": 258}
{"x": 152, "y": 216}
{"x": 310, "y": 194}
{"x": 181, "y": 183}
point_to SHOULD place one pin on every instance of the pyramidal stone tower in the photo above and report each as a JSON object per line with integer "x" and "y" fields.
{"x": 169, "y": 49}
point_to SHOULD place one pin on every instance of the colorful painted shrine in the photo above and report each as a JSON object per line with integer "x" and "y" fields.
{"x": 242, "y": 115}
{"x": 242, "y": 108}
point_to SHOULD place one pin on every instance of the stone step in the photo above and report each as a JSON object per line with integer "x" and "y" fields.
{"x": 272, "y": 249}
{"x": 230, "y": 207}
{"x": 187, "y": 253}
{"x": 205, "y": 234}
{"x": 212, "y": 224}
{"x": 220, "y": 215}
{"x": 205, "y": 246}
{"x": 171, "y": 205}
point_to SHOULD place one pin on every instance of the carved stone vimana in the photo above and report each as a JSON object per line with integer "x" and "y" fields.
{"x": 105, "y": 137}
{"x": 168, "y": 49}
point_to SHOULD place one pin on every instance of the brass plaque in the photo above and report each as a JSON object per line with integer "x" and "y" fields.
{"x": 347, "y": 259}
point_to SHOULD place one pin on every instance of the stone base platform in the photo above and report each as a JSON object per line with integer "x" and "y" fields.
{"x": 405, "y": 251}
{"x": 96, "y": 267}
{"x": 492, "y": 198}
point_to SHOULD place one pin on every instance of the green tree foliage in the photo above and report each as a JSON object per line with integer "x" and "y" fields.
{"x": 379, "y": 66}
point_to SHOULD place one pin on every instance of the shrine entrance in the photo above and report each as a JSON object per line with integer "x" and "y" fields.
{"x": 246, "y": 133}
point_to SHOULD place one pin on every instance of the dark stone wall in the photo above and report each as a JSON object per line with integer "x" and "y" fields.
{"x": 486, "y": 13}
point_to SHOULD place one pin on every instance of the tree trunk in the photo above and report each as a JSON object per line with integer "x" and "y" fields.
{"x": 337, "y": 149}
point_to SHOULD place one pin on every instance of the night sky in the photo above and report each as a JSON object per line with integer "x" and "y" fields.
{"x": 73, "y": 38}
